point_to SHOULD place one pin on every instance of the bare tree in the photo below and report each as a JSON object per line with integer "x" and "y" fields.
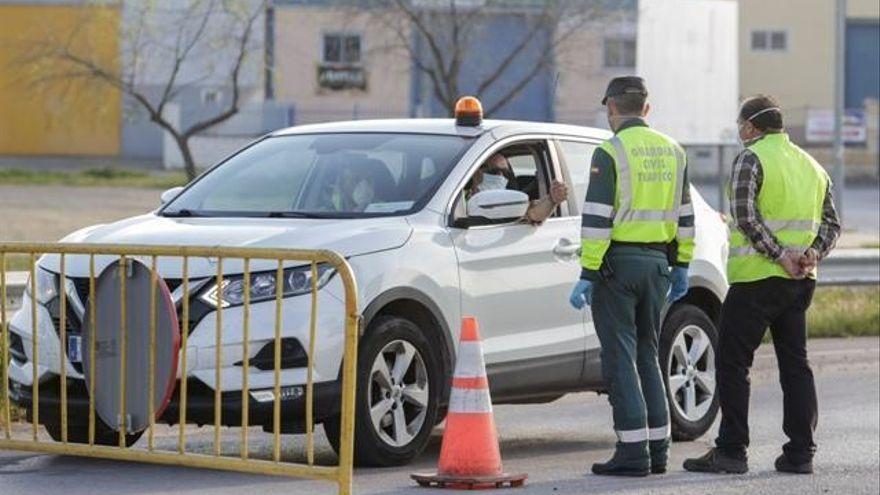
{"x": 446, "y": 29}
{"x": 166, "y": 47}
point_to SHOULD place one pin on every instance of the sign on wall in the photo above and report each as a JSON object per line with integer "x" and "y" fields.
{"x": 820, "y": 126}
{"x": 339, "y": 78}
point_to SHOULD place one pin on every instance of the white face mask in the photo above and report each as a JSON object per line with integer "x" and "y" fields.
{"x": 493, "y": 182}
{"x": 363, "y": 194}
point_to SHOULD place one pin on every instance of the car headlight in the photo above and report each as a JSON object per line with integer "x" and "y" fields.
{"x": 46, "y": 286}
{"x": 296, "y": 281}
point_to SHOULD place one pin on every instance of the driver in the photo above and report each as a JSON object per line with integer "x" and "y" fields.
{"x": 353, "y": 191}
{"x": 496, "y": 173}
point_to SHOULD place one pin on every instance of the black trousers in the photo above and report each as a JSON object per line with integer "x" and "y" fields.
{"x": 748, "y": 310}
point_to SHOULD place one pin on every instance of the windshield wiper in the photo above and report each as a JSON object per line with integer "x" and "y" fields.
{"x": 294, "y": 214}
{"x": 183, "y": 212}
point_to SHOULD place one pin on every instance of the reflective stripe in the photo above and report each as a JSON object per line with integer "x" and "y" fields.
{"x": 749, "y": 250}
{"x": 599, "y": 209}
{"x": 659, "y": 433}
{"x": 470, "y": 360}
{"x": 808, "y": 225}
{"x": 595, "y": 233}
{"x": 647, "y": 216}
{"x": 470, "y": 400}
{"x": 685, "y": 233}
{"x": 624, "y": 189}
{"x": 686, "y": 210}
{"x": 632, "y": 436}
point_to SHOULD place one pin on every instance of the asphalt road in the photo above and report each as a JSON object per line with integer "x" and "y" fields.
{"x": 555, "y": 443}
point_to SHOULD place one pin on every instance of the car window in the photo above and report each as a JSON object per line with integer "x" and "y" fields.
{"x": 576, "y": 158}
{"x": 326, "y": 175}
{"x": 527, "y": 170}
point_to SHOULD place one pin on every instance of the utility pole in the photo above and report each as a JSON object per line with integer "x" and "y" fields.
{"x": 839, "y": 68}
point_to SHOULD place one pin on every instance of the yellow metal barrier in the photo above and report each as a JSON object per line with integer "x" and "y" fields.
{"x": 341, "y": 473}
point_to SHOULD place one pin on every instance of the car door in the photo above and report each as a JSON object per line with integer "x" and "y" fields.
{"x": 515, "y": 278}
{"x": 575, "y": 157}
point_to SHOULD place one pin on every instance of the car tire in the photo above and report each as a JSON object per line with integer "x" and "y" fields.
{"x": 79, "y": 433}
{"x": 414, "y": 400}
{"x": 688, "y": 346}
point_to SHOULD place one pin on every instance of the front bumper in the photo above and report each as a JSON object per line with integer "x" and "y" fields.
{"x": 201, "y": 351}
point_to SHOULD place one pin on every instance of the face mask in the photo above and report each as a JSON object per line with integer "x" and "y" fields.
{"x": 362, "y": 194}
{"x": 493, "y": 182}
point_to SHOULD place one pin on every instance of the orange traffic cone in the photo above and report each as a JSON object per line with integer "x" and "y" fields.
{"x": 469, "y": 456}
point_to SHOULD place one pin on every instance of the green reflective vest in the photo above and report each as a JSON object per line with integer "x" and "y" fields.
{"x": 790, "y": 201}
{"x": 650, "y": 171}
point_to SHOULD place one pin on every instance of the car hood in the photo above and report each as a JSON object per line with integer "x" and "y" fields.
{"x": 348, "y": 237}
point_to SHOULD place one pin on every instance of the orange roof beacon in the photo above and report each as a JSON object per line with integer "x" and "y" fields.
{"x": 468, "y": 111}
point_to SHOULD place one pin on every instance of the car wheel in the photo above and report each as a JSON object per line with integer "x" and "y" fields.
{"x": 398, "y": 389}
{"x": 79, "y": 433}
{"x": 688, "y": 344}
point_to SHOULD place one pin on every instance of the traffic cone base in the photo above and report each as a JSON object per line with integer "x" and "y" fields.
{"x": 469, "y": 454}
{"x": 470, "y": 483}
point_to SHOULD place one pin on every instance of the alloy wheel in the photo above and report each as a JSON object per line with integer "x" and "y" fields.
{"x": 398, "y": 393}
{"x": 691, "y": 372}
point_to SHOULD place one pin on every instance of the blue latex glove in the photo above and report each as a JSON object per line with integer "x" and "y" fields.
{"x": 582, "y": 294}
{"x": 679, "y": 283}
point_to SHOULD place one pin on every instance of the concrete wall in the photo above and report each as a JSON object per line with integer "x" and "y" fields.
{"x": 801, "y": 76}
{"x": 299, "y": 34}
{"x": 58, "y": 118}
{"x": 582, "y": 72}
{"x": 688, "y": 55}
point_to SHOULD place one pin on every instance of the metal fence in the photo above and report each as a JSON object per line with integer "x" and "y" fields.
{"x": 149, "y": 256}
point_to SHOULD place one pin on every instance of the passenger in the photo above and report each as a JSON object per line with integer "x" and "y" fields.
{"x": 496, "y": 173}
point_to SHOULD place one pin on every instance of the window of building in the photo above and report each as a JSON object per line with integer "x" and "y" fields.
{"x": 342, "y": 49}
{"x": 769, "y": 40}
{"x": 620, "y": 53}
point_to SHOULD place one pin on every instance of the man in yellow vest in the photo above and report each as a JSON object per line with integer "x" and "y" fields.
{"x": 784, "y": 223}
{"x": 637, "y": 232}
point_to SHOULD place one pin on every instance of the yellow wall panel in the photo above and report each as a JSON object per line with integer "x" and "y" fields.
{"x": 58, "y": 117}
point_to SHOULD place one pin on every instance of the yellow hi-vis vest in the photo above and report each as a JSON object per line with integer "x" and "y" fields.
{"x": 650, "y": 171}
{"x": 790, "y": 201}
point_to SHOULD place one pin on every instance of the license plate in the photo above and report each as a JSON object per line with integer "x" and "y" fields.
{"x": 74, "y": 348}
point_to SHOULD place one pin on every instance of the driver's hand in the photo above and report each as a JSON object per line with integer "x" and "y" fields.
{"x": 558, "y": 192}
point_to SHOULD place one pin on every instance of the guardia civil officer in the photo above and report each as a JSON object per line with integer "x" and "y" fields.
{"x": 784, "y": 223}
{"x": 637, "y": 236}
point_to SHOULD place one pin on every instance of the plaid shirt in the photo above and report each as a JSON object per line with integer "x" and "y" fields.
{"x": 746, "y": 182}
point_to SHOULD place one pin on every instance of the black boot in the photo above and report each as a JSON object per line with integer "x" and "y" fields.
{"x": 659, "y": 455}
{"x": 716, "y": 462}
{"x": 785, "y": 465}
{"x": 621, "y": 465}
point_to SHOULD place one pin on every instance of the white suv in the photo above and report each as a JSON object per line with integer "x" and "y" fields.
{"x": 392, "y": 196}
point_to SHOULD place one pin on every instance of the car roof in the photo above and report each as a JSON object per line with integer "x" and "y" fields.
{"x": 499, "y": 128}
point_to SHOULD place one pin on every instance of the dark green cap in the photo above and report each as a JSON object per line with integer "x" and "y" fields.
{"x": 625, "y": 85}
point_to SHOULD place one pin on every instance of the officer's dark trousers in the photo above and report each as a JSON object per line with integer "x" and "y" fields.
{"x": 626, "y": 311}
{"x": 748, "y": 310}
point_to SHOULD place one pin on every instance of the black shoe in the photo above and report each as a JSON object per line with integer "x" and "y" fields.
{"x": 619, "y": 468}
{"x": 658, "y": 468}
{"x": 716, "y": 462}
{"x": 784, "y": 465}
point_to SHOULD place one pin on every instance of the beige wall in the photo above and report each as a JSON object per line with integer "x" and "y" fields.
{"x": 801, "y": 76}
{"x": 582, "y": 75}
{"x": 299, "y": 33}
{"x": 863, "y": 9}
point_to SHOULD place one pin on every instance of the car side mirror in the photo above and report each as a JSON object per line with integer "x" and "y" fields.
{"x": 170, "y": 194}
{"x": 498, "y": 205}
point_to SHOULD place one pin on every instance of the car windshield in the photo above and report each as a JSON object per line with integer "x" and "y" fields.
{"x": 344, "y": 175}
